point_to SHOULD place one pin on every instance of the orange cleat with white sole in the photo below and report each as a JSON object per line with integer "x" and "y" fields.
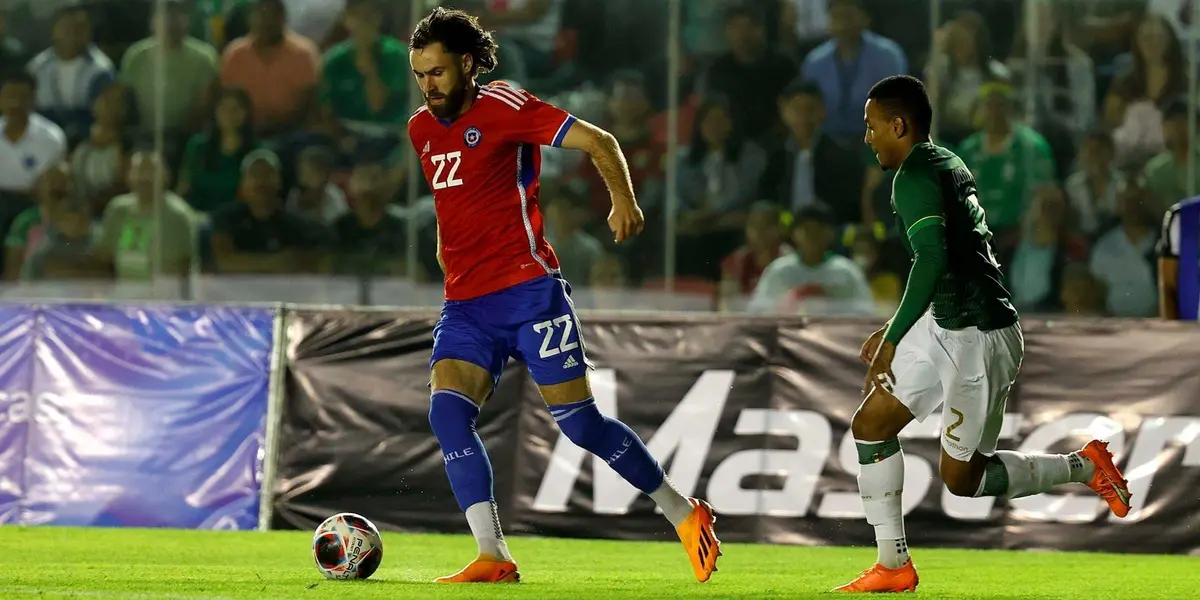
{"x": 1107, "y": 481}
{"x": 485, "y": 569}
{"x": 700, "y": 540}
{"x": 880, "y": 579}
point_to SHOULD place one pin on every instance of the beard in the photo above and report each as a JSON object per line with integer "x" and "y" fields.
{"x": 451, "y": 104}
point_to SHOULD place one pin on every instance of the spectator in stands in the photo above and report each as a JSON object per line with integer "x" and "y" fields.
{"x": 808, "y": 166}
{"x": 1167, "y": 173}
{"x": 1082, "y": 295}
{"x": 531, "y": 26}
{"x": 147, "y": 232}
{"x": 718, "y": 176}
{"x": 1155, "y": 77}
{"x": 186, "y": 77}
{"x": 1122, "y": 258}
{"x": 1066, "y": 79}
{"x": 315, "y": 197}
{"x": 868, "y": 247}
{"x": 371, "y": 240}
{"x": 29, "y": 143}
{"x": 1009, "y": 160}
{"x": 1095, "y": 184}
{"x": 256, "y": 236}
{"x": 751, "y": 75}
{"x": 576, "y": 249}
{"x": 211, "y": 170}
{"x": 100, "y": 161}
{"x": 803, "y": 25}
{"x": 961, "y": 62}
{"x": 846, "y": 66}
{"x": 766, "y": 241}
{"x": 64, "y": 251}
{"x": 813, "y": 280}
{"x": 71, "y": 73}
{"x": 54, "y": 187}
{"x": 1045, "y": 246}
{"x": 278, "y": 69}
{"x": 365, "y": 78}
{"x": 627, "y": 114}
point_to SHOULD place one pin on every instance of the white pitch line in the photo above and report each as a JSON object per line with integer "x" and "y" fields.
{"x": 31, "y": 591}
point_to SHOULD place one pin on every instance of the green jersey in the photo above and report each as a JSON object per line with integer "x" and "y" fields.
{"x": 962, "y": 280}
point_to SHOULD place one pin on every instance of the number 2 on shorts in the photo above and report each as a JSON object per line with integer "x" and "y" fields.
{"x": 954, "y": 425}
{"x": 548, "y": 328}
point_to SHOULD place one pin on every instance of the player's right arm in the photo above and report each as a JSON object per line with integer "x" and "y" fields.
{"x": 1168, "y": 266}
{"x": 918, "y": 201}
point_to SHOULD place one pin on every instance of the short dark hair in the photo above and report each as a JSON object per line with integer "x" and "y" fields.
{"x": 68, "y": 10}
{"x": 460, "y": 33}
{"x": 18, "y": 76}
{"x": 816, "y": 212}
{"x": 904, "y": 96}
{"x": 801, "y": 87}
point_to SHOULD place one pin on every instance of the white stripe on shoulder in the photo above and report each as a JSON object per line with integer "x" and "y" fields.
{"x": 418, "y": 113}
{"x": 489, "y": 94}
{"x": 504, "y": 90}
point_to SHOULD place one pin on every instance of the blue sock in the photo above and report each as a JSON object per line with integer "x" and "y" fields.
{"x": 452, "y": 417}
{"x": 612, "y": 441}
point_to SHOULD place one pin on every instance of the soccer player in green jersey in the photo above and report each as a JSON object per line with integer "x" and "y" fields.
{"x": 955, "y": 341}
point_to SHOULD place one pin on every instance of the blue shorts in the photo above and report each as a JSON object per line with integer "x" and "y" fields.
{"x": 533, "y": 322}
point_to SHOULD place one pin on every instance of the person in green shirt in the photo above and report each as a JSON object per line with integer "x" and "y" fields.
{"x": 144, "y": 235}
{"x": 365, "y": 77}
{"x": 54, "y": 187}
{"x": 1167, "y": 173}
{"x": 955, "y": 341}
{"x": 1010, "y": 160}
{"x": 212, "y": 162}
{"x": 189, "y": 71}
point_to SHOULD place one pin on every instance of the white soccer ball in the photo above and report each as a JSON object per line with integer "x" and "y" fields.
{"x": 347, "y": 546}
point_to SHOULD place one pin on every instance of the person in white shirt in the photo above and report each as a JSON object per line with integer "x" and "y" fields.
{"x": 813, "y": 280}
{"x": 29, "y": 145}
{"x": 72, "y": 73}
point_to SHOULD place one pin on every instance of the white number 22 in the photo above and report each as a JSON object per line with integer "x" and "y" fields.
{"x": 454, "y": 159}
{"x": 548, "y": 328}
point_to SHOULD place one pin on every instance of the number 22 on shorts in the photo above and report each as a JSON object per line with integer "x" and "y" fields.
{"x": 548, "y": 328}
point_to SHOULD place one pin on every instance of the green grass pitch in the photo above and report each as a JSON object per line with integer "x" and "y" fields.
{"x": 45, "y": 563}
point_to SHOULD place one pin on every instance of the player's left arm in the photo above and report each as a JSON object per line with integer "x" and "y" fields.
{"x": 549, "y": 125}
{"x": 606, "y": 154}
{"x": 919, "y": 204}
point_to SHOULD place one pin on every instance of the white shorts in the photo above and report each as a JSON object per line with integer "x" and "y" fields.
{"x": 969, "y": 372}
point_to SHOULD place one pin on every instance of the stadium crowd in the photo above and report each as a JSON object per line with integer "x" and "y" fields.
{"x": 280, "y": 135}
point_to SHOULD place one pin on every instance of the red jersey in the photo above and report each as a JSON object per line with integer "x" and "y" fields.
{"x": 483, "y": 169}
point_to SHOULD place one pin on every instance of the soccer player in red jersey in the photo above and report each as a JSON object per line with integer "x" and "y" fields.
{"x": 479, "y": 150}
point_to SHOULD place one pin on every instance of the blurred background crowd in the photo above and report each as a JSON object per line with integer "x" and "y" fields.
{"x": 262, "y": 142}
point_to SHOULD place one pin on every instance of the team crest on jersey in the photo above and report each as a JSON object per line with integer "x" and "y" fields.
{"x": 472, "y": 136}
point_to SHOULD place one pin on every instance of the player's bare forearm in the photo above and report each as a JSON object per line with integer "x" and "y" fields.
{"x": 1168, "y": 281}
{"x": 606, "y": 154}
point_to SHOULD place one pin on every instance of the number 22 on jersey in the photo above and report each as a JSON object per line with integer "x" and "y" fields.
{"x": 446, "y": 164}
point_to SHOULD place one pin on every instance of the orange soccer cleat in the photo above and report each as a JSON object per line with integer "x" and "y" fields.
{"x": 880, "y": 579}
{"x": 700, "y": 540}
{"x": 1107, "y": 481}
{"x": 485, "y": 569}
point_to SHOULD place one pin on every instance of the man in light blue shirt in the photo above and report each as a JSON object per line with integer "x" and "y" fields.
{"x": 847, "y": 65}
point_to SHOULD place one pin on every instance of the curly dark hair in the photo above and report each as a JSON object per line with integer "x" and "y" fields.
{"x": 460, "y": 33}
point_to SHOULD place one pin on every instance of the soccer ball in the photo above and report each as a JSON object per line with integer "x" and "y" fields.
{"x": 347, "y": 546}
